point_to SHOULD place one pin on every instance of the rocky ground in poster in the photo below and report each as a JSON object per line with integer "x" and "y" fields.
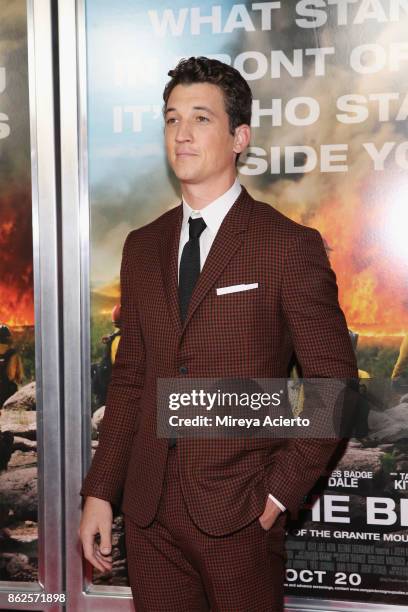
{"x": 18, "y": 486}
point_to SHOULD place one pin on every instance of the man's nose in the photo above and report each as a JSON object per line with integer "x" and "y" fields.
{"x": 183, "y": 132}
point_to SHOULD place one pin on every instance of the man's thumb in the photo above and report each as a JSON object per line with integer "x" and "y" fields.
{"x": 106, "y": 543}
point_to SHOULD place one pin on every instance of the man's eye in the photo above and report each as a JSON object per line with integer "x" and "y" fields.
{"x": 202, "y": 119}
{"x": 170, "y": 120}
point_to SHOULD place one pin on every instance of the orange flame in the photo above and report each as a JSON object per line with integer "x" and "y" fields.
{"x": 16, "y": 257}
{"x": 372, "y": 277}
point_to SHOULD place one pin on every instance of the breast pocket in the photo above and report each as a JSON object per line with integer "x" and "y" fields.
{"x": 234, "y": 304}
{"x": 240, "y": 288}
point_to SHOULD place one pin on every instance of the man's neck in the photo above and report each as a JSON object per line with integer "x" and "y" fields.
{"x": 200, "y": 196}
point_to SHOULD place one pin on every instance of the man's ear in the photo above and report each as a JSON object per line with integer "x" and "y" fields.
{"x": 241, "y": 138}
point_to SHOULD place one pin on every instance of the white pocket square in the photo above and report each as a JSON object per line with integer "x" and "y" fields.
{"x": 235, "y": 288}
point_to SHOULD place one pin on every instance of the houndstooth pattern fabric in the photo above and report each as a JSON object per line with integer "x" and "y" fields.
{"x": 201, "y": 572}
{"x": 225, "y": 483}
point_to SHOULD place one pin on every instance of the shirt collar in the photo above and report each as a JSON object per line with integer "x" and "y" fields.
{"x": 214, "y": 213}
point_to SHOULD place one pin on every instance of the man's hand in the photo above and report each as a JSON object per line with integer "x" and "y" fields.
{"x": 269, "y": 515}
{"x": 96, "y": 518}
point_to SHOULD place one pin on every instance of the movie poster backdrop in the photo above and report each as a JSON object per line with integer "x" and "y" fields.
{"x": 330, "y": 150}
{"x": 18, "y": 422}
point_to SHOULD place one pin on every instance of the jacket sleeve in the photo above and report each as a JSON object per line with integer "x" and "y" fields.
{"x": 323, "y": 348}
{"x": 106, "y": 476}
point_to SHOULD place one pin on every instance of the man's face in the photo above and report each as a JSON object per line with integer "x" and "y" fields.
{"x": 199, "y": 145}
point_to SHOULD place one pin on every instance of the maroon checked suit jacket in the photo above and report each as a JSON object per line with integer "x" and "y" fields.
{"x": 251, "y": 333}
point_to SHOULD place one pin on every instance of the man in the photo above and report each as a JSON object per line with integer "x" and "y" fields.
{"x": 101, "y": 371}
{"x": 11, "y": 365}
{"x": 204, "y": 519}
{"x": 399, "y": 376}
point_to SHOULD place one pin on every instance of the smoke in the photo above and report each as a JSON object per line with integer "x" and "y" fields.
{"x": 116, "y": 211}
{"x": 15, "y": 149}
{"x": 349, "y": 209}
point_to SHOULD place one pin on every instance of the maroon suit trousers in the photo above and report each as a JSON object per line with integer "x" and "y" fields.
{"x": 176, "y": 567}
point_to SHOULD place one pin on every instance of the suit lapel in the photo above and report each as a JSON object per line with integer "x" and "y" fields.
{"x": 169, "y": 245}
{"x": 227, "y": 241}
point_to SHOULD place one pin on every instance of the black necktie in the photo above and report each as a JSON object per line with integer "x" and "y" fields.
{"x": 190, "y": 264}
{"x": 189, "y": 272}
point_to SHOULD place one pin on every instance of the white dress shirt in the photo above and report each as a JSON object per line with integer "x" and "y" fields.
{"x": 213, "y": 215}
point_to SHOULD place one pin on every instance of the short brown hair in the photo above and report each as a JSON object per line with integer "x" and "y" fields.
{"x": 236, "y": 91}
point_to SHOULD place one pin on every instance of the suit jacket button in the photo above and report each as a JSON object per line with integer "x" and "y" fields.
{"x": 183, "y": 370}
